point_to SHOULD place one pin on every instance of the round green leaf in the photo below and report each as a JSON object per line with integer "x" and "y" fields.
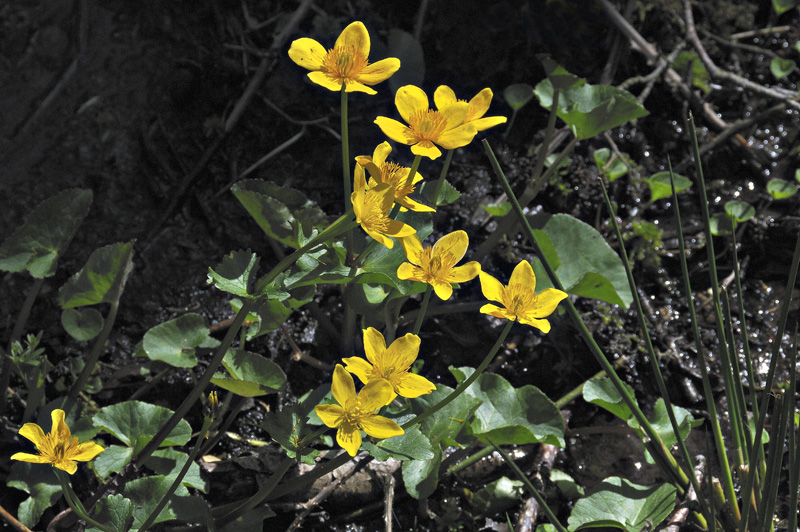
{"x": 797, "y": 175}
{"x": 135, "y": 422}
{"x": 781, "y": 189}
{"x": 740, "y": 211}
{"x": 251, "y": 374}
{"x": 721, "y": 224}
{"x": 660, "y": 186}
{"x": 174, "y": 341}
{"x": 82, "y": 324}
{"x": 781, "y": 68}
{"x": 518, "y": 95}
{"x": 101, "y": 279}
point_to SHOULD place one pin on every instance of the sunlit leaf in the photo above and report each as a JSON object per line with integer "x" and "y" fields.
{"x": 422, "y": 476}
{"x": 236, "y": 273}
{"x": 660, "y": 186}
{"x": 112, "y": 460}
{"x": 740, "y": 211}
{"x": 699, "y": 74}
{"x": 101, "y": 279}
{"x": 115, "y": 512}
{"x": 780, "y": 67}
{"x": 603, "y": 393}
{"x": 663, "y": 427}
{"x": 518, "y": 95}
{"x": 609, "y": 164}
{"x": 781, "y": 189}
{"x": 268, "y": 316}
{"x": 134, "y": 423}
{"x": 413, "y": 445}
{"x": 38, "y": 481}
{"x": 251, "y": 374}
{"x": 558, "y": 75}
{"x": 169, "y": 462}
{"x": 498, "y": 209}
{"x": 566, "y": 484}
{"x": 447, "y": 195}
{"x": 36, "y": 244}
{"x": 174, "y": 341}
{"x": 781, "y": 6}
{"x": 82, "y": 324}
{"x": 497, "y": 496}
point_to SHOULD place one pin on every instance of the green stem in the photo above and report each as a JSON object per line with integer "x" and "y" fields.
{"x": 75, "y": 503}
{"x": 346, "y": 176}
{"x": 466, "y": 384}
{"x": 442, "y": 176}
{"x": 421, "y": 316}
{"x": 411, "y": 173}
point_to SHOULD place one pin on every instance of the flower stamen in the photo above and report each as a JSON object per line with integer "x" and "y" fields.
{"x": 426, "y": 125}
{"x": 343, "y": 64}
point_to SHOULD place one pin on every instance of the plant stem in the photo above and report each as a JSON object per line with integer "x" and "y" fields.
{"x": 467, "y": 382}
{"x": 442, "y": 176}
{"x": 348, "y": 189}
{"x": 75, "y": 503}
{"x": 421, "y": 316}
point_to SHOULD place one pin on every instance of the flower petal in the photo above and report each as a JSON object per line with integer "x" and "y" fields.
{"x": 492, "y": 288}
{"x": 381, "y": 427}
{"x": 403, "y": 352}
{"x": 426, "y": 148}
{"x": 331, "y": 415}
{"x": 66, "y": 465}
{"x": 375, "y": 394}
{"x": 546, "y": 302}
{"x": 444, "y": 96}
{"x": 321, "y": 78}
{"x": 343, "y": 388}
{"x": 374, "y": 346}
{"x": 410, "y": 99}
{"x": 443, "y": 289}
{"x": 457, "y": 137}
{"x": 307, "y": 53}
{"x": 395, "y": 130}
{"x": 454, "y": 244}
{"x": 33, "y": 432}
{"x": 380, "y": 238}
{"x": 413, "y": 248}
{"x": 412, "y": 385}
{"x": 86, "y": 451}
{"x": 359, "y": 180}
{"x": 358, "y": 367}
{"x": 414, "y": 205}
{"x": 355, "y": 36}
{"x": 523, "y": 274}
{"x": 381, "y": 152}
{"x": 464, "y": 273}
{"x": 349, "y": 438}
{"x": 27, "y": 457}
{"x": 399, "y": 229}
{"x": 542, "y": 325}
{"x": 455, "y": 114}
{"x": 408, "y": 272}
{"x": 497, "y": 312}
{"x": 60, "y": 427}
{"x": 354, "y": 86}
{"x": 482, "y": 124}
{"x": 479, "y": 104}
{"x": 379, "y": 71}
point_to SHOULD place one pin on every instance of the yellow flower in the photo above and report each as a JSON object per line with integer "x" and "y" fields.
{"x": 478, "y": 106}
{"x": 436, "y": 265}
{"x": 390, "y": 365}
{"x": 357, "y": 412}
{"x": 394, "y": 175}
{"x": 427, "y": 127}
{"x": 344, "y": 64}
{"x": 59, "y": 447}
{"x": 520, "y": 300}
{"x": 371, "y": 207}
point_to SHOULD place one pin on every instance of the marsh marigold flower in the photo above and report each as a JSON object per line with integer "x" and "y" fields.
{"x": 520, "y": 300}
{"x": 371, "y": 207}
{"x": 344, "y": 64}
{"x": 436, "y": 265}
{"x": 355, "y": 413}
{"x": 59, "y": 448}
{"x": 427, "y": 127}
{"x": 477, "y": 107}
{"x": 390, "y": 365}
{"x": 392, "y": 174}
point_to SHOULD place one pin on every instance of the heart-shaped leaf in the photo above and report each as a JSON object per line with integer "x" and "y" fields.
{"x": 412, "y": 445}
{"x": 740, "y": 211}
{"x": 115, "y": 512}
{"x": 781, "y": 189}
{"x": 236, "y": 273}
{"x": 174, "y": 341}
{"x": 134, "y": 423}
{"x": 101, "y": 279}
{"x": 603, "y": 393}
{"x": 251, "y": 374}
{"x": 780, "y": 67}
{"x": 518, "y": 95}
{"x": 82, "y": 324}
{"x": 660, "y": 186}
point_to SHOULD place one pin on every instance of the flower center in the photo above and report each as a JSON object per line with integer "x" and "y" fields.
{"x": 373, "y": 215}
{"x": 393, "y": 174}
{"x": 519, "y": 298}
{"x": 343, "y": 64}
{"x": 427, "y": 124}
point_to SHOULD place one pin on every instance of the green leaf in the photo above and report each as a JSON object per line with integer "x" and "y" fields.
{"x": 586, "y": 264}
{"x": 285, "y": 426}
{"x": 324, "y": 266}
{"x": 174, "y": 341}
{"x": 421, "y": 476}
{"x": 444, "y": 425}
{"x": 147, "y": 492}
{"x": 83, "y": 324}
{"x": 721, "y": 224}
{"x": 413, "y": 445}
{"x": 101, "y": 279}
{"x": 781, "y": 189}
{"x": 781, "y": 6}
{"x": 268, "y": 316}
{"x": 134, "y": 423}
{"x": 781, "y": 68}
{"x": 512, "y": 416}
{"x": 609, "y": 164}
{"x": 518, "y": 95}
{"x": 36, "y": 244}
{"x": 566, "y": 484}
{"x": 38, "y": 481}
{"x": 236, "y": 273}
{"x": 283, "y": 213}
{"x": 603, "y": 393}
{"x": 663, "y": 427}
{"x": 699, "y": 75}
{"x": 498, "y": 209}
{"x": 740, "y": 211}
{"x": 591, "y": 109}
{"x": 115, "y": 512}
{"x": 112, "y": 460}
{"x": 447, "y": 196}
{"x": 252, "y": 375}
{"x": 169, "y": 462}
{"x": 618, "y": 503}
{"x": 558, "y": 75}
{"x": 660, "y": 186}
{"x": 408, "y": 50}
{"x": 497, "y": 496}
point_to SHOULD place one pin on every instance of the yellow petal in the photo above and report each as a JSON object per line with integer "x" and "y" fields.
{"x": 412, "y": 385}
{"x": 455, "y": 114}
{"x": 27, "y": 457}
{"x": 426, "y": 148}
{"x": 479, "y": 104}
{"x": 375, "y": 394}
{"x": 542, "y": 325}
{"x": 523, "y": 274}
{"x": 492, "y": 288}
{"x": 546, "y": 302}
{"x": 413, "y": 248}
{"x": 354, "y": 36}
{"x": 399, "y": 229}
{"x": 86, "y": 451}
{"x": 349, "y": 438}
{"x": 410, "y": 99}
{"x": 454, "y": 244}
{"x": 359, "y": 180}
{"x": 60, "y": 427}
{"x": 443, "y": 289}
{"x": 414, "y": 205}
{"x": 464, "y": 273}
{"x": 380, "y": 238}
{"x": 458, "y": 137}
{"x": 497, "y": 312}
{"x": 409, "y": 272}
{"x": 403, "y": 352}
{"x": 394, "y": 130}
{"x": 307, "y": 53}
{"x": 379, "y": 71}
{"x": 67, "y": 465}
{"x": 343, "y": 388}
{"x": 380, "y": 427}
{"x": 482, "y": 124}
{"x": 374, "y": 346}
{"x": 358, "y": 367}
{"x": 354, "y": 86}
{"x": 33, "y": 432}
{"x": 444, "y": 96}
{"x": 321, "y": 78}
{"x": 381, "y": 152}
{"x": 331, "y": 415}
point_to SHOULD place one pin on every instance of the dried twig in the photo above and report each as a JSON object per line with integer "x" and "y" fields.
{"x": 388, "y": 501}
{"x": 11, "y": 520}
{"x": 756, "y": 33}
